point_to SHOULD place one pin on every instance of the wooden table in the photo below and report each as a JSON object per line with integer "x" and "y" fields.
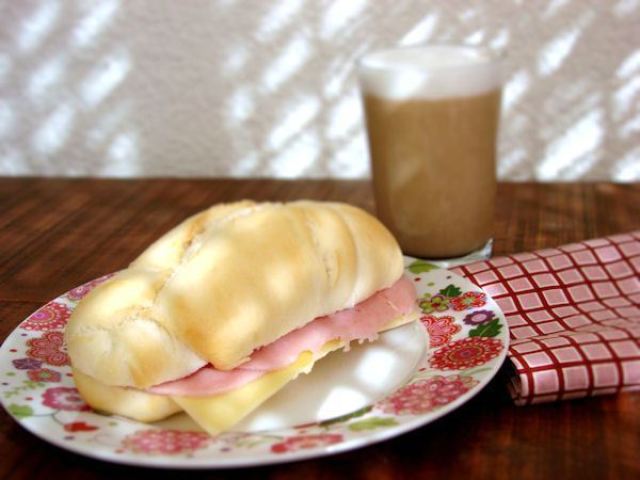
{"x": 57, "y": 234}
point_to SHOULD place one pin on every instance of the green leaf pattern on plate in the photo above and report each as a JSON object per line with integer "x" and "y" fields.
{"x": 20, "y": 411}
{"x": 373, "y": 423}
{"x": 490, "y": 329}
{"x": 450, "y": 291}
{"x": 420, "y": 266}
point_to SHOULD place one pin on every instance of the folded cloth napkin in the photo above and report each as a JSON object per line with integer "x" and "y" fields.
{"x": 573, "y": 314}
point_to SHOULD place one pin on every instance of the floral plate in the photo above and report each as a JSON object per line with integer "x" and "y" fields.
{"x": 410, "y": 377}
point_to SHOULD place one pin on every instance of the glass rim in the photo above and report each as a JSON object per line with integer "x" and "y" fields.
{"x": 487, "y": 57}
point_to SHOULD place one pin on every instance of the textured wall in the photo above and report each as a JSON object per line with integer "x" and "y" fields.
{"x": 224, "y": 87}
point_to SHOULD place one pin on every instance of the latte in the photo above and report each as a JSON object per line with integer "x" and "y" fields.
{"x": 432, "y": 119}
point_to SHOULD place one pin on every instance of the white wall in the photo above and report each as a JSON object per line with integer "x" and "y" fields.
{"x": 266, "y": 88}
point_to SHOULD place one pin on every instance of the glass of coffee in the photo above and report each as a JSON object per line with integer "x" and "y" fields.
{"x": 432, "y": 121}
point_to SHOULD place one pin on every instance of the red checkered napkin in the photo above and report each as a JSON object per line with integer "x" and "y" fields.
{"x": 573, "y": 314}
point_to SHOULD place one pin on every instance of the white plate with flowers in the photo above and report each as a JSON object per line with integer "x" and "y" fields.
{"x": 376, "y": 391}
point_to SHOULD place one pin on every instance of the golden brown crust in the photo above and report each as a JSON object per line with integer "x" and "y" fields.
{"x": 225, "y": 282}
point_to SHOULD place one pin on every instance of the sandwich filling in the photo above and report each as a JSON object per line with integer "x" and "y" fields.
{"x": 361, "y": 322}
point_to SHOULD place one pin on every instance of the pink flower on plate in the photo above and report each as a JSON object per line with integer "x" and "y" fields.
{"x": 468, "y": 300}
{"x": 44, "y": 375}
{"x": 466, "y": 353}
{"x": 299, "y": 442}
{"x": 49, "y": 348}
{"x": 427, "y": 394}
{"x": 440, "y": 329}
{"x": 165, "y": 442}
{"x": 64, "y": 398}
{"x": 75, "y": 427}
{"x": 52, "y": 316}
{"x": 79, "y": 292}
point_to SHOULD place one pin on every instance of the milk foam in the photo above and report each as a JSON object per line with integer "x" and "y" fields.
{"x": 434, "y": 72}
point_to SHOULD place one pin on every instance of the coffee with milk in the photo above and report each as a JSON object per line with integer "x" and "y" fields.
{"x": 432, "y": 119}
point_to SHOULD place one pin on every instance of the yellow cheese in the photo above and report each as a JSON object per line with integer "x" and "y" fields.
{"x": 220, "y": 412}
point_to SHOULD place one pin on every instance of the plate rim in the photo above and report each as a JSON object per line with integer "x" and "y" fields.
{"x": 259, "y": 458}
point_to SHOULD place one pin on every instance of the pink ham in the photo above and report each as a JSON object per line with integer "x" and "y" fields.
{"x": 361, "y": 322}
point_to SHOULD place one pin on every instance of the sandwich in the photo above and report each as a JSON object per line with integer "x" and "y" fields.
{"x": 224, "y": 310}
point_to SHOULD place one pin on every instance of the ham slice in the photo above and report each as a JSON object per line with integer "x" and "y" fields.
{"x": 362, "y": 322}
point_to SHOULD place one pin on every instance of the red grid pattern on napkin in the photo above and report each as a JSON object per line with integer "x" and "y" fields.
{"x": 573, "y": 314}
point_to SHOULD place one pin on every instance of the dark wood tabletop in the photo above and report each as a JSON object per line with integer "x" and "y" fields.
{"x": 56, "y": 234}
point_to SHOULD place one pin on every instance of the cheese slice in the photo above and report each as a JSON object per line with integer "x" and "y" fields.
{"x": 219, "y": 413}
{"x": 213, "y": 413}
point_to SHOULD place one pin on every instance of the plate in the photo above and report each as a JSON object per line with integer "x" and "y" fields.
{"x": 408, "y": 378}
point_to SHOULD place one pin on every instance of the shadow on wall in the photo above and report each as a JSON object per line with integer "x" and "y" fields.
{"x": 115, "y": 88}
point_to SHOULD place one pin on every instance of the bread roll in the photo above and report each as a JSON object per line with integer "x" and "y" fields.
{"x": 223, "y": 410}
{"x": 225, "y": 282}
{"x": 128, "y": 402}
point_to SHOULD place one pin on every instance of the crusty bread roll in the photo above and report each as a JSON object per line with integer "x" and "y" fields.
{"x": 225, "y": 282}
{"x": 150, "y": 407}
{"x": 128, "y": 402}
